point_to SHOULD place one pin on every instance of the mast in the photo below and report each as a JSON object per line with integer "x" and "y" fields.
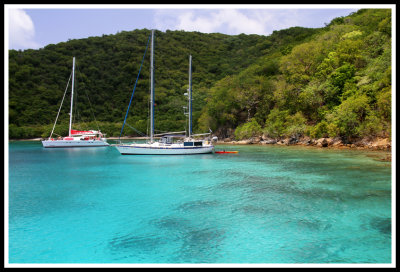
{"x": 152, "y": 87}
{"x": 72, "y": 95}
{"x": 190, "y": 95}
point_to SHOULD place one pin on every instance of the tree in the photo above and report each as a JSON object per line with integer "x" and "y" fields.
{"x": 349, "y": 116}
{"x": 301, "y": 63}
{"x": 248, "y": 130}
{"x": 295, "y": 125}
{"x": 275, "y": 123}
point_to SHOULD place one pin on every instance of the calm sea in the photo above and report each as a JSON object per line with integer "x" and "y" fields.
{"x": 266, "y": 204}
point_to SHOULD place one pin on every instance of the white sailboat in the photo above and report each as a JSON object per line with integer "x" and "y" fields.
{"x": 166, "y": 145}
{"x": 76, "y": 138}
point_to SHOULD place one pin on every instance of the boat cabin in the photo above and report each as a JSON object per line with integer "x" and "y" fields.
{"x": 168, "y": 139}
{"x": 193, "y": 143}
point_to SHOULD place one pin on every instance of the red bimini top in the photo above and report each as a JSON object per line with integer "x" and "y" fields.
{"x": 82, "y": 132}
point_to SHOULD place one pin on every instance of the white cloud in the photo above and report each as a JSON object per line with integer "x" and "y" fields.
{"x": 229, "y": 21}
{"x": 236, "y": 21}
{"x": 21, "y": 30}
{"x": 190, "y": 22}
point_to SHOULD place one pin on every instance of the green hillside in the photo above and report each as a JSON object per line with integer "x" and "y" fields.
{"x": 338, "y": 84}
{"x": 332, "y": 81}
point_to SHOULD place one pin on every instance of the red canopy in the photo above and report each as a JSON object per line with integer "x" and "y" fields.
{"x": 81, "y": 132}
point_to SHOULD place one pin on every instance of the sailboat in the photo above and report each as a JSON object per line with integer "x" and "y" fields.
{"x": 166, "y": 145}
{"x": 76, "y": 138}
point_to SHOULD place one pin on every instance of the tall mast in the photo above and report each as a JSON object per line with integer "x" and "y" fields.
{"x": 190, "y": 95}
{"x": 72, "y": 95}
{"x": 152, "y": 88}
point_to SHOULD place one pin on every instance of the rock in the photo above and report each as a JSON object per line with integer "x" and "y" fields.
{"x": 322, "y": 142}
{"x": 244, "y": 142}
{"x": 304, "y": 141}
{"x": 293, "y": 140}
{"x": 255, "y": 140}
{"x": 381, "y": 143}
{"x": 265, "y": 138}
{"x": 336, "y": 142}
{"x": 270, "y": 141}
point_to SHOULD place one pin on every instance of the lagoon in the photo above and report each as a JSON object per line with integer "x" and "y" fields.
{"x": 264, "y": 205}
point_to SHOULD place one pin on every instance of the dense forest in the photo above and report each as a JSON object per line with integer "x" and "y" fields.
{"x": 333, "y": 81}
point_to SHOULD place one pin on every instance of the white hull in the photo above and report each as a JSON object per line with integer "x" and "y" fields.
{"x": 147, "y": 149}
{"x": 74, "y": 143}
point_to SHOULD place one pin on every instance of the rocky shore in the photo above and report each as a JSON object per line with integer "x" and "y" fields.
{"x": 383, "y": 144}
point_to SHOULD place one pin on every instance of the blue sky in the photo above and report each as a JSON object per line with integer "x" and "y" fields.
{"x": 35, "y": 26}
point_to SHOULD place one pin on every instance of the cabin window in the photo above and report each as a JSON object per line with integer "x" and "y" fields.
{"x": 188, "y": 144}
{"x": 198, "y": 143}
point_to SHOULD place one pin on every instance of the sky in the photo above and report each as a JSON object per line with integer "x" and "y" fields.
{"x": 35, "y": 26}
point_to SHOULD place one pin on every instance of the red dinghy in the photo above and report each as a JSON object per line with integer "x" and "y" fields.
{"x": 226, "y": 152}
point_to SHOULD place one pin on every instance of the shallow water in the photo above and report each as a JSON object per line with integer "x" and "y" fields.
{"x": 266, "y": 204}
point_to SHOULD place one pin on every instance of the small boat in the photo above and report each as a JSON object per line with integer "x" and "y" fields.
{"x": 76, "y": 138}
{"x": 225, "y": 152}
{"x": 166, "y": 145}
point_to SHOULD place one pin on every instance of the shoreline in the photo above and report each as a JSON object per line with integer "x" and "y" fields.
{"x": 367, "y": 144}
{"x": 382, "y": 144}
{"x": 376, "y": 144}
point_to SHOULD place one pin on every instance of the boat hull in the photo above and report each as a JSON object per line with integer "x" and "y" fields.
{"x": 143, "y": 150}
{"x": 73, "y": 143}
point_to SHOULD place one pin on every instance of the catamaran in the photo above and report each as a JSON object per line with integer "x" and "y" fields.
{"x": 76, "y": 138}
{"x": 166, "y": 145}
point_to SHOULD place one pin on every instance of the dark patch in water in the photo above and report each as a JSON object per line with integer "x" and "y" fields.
{"x": 262, "y": 185}
{"x": 314, "y": 225}
{"x": 319, "y": 252}
{"x": 252, "y": 182}
{"x": 283, "y": 185}
{"x": 286, "y": 186}
{"x": 201, "y": 172}
{"x": 320, "y": 193}
{"x": 134, "y": 243}
{"x": 172, "y": 224}
{"x": 379, "y": 193}
{"x": 383, "y": 225}
{"x": 269, "y": 185}
{"x": 198, "y": 244}
{"x": 196, "y": 205}
{"x": 201, "y": 245}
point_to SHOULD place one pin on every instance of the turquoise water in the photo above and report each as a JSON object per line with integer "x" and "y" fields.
{"x": 267, "y": 204}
